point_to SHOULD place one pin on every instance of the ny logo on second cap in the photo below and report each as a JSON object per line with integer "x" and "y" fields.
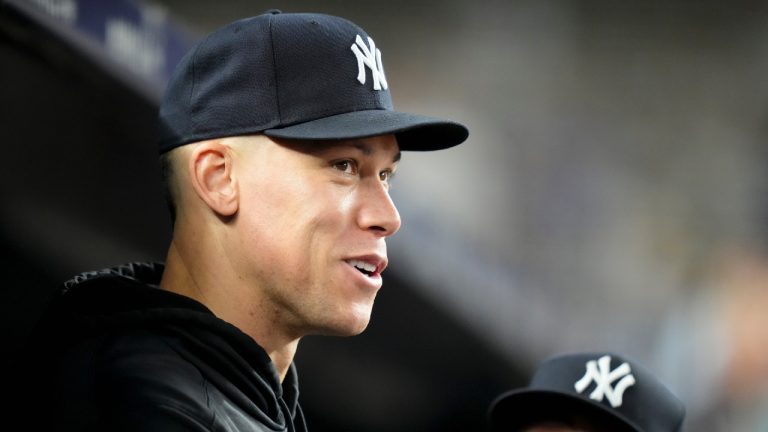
{"x": 369, "y": 56}
{"x": 600, "y": 372}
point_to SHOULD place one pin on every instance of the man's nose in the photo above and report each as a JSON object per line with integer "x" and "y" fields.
{"x": 377, "y": 210}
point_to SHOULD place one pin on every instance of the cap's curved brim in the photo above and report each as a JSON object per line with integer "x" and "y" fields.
{"x": 413, "y": 132}
{"x": 514, "y": 410}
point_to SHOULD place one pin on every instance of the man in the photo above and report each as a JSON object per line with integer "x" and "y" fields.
{"x": 278, "y": 143}
{"x": 589, "y": 392}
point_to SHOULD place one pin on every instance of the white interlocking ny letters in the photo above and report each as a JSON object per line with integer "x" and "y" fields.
{"x": 369, "y": 56}
{"x": 600, "y": 372}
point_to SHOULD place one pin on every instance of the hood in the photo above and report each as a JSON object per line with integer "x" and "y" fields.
{"x": 127, "y": 298}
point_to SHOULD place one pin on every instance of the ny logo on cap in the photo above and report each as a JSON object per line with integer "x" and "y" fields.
{"x": 369, "y": 56}
{"x": 600, "y": 372}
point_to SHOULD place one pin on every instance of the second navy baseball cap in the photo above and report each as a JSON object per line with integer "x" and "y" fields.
{"x": 295, "y": 76}
{"x": 606, "y": 389}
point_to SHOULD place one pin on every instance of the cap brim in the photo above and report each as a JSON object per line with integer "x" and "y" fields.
{"x": 517, "y": 409}
{"x": 413, "y": 132}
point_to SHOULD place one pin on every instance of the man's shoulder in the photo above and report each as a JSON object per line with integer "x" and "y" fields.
{"x": 138, "y": 367}
{"x": 143, "y": 372}
{"x": 130, "y": 380}
{"x": 141, "y": 354}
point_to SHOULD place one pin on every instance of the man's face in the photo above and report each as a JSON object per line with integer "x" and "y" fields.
{"x": 311, "y": 228}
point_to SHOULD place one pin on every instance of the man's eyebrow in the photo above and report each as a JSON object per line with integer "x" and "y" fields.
{"x": 367, "y": 150}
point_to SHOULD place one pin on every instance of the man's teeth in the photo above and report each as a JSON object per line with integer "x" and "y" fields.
{"x": 362, "y": 265}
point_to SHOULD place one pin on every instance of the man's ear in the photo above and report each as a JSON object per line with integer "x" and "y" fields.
{"x": 210, "y": 168}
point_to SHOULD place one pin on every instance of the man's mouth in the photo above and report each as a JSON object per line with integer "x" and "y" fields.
{"x": 363, "y": 267}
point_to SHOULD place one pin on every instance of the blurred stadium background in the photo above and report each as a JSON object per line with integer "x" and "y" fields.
{"x": 611, "y": 196}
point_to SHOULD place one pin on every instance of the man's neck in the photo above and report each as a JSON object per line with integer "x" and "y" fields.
{"x": 229, "y": 301}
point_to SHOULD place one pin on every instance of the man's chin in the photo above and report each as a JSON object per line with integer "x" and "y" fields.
{"x": 353, "y": 328}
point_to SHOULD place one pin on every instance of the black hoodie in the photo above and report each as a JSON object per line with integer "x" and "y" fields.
{"x": 115, "y": 352}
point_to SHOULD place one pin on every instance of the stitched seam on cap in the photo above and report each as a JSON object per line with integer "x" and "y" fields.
{"x": 274, "y": 70}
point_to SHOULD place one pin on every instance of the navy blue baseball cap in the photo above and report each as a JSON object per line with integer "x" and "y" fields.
{"x": 295, "y": 76}
{"x": 606, "y": 389}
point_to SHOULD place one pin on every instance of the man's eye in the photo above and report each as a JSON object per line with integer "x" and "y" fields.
{"x": 347, "y": 166}
{"x": 386, "y": 177}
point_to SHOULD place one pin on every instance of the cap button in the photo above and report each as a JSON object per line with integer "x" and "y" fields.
{"x": 273, "y": 11}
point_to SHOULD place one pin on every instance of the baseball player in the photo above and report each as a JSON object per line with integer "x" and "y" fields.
{"x": 589, "y": 392}
{"x": 278, "y": 143}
